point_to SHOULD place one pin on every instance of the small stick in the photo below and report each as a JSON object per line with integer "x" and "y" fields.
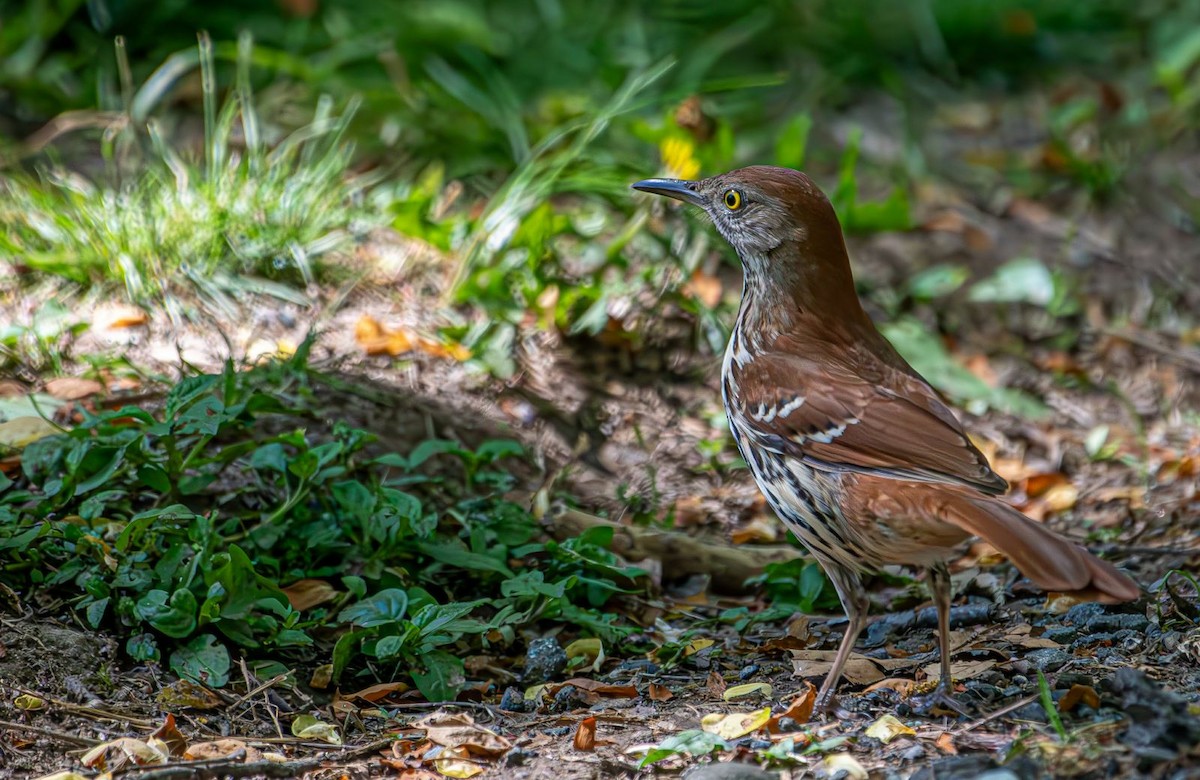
{"x": 59, "y": 735}
{"x": 1016, "y": 705}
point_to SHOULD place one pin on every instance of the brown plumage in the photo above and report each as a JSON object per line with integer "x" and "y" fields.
{"x": 852, "y": 448}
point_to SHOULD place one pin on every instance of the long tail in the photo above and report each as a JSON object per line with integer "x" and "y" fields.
{"x": 1043, "y": 556}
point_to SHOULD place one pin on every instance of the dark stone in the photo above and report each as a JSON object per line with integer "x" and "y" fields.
{"x": 1160, "y": 725}
{"x": 1115, "y": 622}
{"x": 544, "y": 661}
{"x": 985, "y": 691}
{"x": 1048, "y": 659}
{"x": 568, "y": 698}
{"x": 728, "y": 771}
{"x": 979, "y": 768}
{"x": 1080, "y": 614}
{"x": 1091, "y": 640}
{"x": 1033, "y": 711}
{"x": 557, "y": 731}
{"x": 748, "y": 672}
{"x": 1060, "y": 634}
{"x": 512, "y": 700}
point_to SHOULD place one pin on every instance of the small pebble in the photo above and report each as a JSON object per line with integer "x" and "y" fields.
{"x": 1080, "y": 614}
{"x": 1061, "y": 634}
{"x": 544, "y": 661}
{"x": 513, "y": 700}
{"x": 748, "y": 672}
{"x": 1048, "y": 659}
{"x": 557, "y": 731}
{"x": 1116, "y": 622}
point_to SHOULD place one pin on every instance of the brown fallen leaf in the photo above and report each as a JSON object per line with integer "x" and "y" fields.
{"x": 585, "y": 735}
{"x": 959, "y": 670}
{"x": 800, "y": 710}
{"x": 1079, "y": 694}
{"x": 715, "y": 683}
{"x": 658, "y": 692}
{"x": 321, "y": 677}
{"x": 598, "y": 688}
{"x": 171, "y": 736}
{"x": 704, "y": 288}
{"x": 73, "y": 388}
{"x": 759, "y": 529}
{"x": 308, "y": 593}
{"x": 185, "y": 693}
{"x": 458, "y": 730}
{"x": 900, "y": 685}
{"x": 378, "y": 692}
{"x": 859, "y": 669}
{"x": 123, "y": 752}
{"x": 221, "y": 748}
{"x": 945, "y": 743}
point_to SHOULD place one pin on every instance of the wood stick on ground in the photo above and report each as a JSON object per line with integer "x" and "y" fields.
{"x": 233, "y": 767}
{"x": 727, "y": 564}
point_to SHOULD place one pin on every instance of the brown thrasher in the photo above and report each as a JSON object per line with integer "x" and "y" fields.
{"x": 852, "y": 448}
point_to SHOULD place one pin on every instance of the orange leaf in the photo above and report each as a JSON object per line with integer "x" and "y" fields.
{"x": 308, "y": 593}
{"x": 598, "y": 688}
{"x": 171, "y": 736}
{"x": 659, "y": 692}
{"x": 585, "y": 735}
{"x": 800, "y": 710}
{"x": 945, "y": 743}
{"x": 1079, "y": 694}
{"x": 374, "y": 693}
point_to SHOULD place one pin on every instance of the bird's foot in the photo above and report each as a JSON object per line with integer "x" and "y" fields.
{"x": 939, "y": 702}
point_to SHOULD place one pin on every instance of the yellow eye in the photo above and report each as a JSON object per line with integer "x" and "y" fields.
{"x": 733, "y": 200}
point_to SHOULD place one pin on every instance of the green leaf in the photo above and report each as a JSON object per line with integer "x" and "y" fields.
{"x": 532, "y": 583}
{"x": 142, "y": 647}
{"x": 937, "y": 281}
{"x": 495, "y": 449}
{"x": 442, "y": 676}
{"x": 173, "y": 614}
{"x": 462, "y": 558}
{"x": 692, "y": 742}
{"x": 23, "y": 539}
{"x": 1024, "y": 280}
{"x": 792, "y": 143}
{"x": 384, "y": 608}
{"x": 203, "y": 660}
{"x": 95, "y": 612}
{"x": 427, "y": 449}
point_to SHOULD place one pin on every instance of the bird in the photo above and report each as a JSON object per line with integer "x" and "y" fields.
{"x": 854, "y": 450}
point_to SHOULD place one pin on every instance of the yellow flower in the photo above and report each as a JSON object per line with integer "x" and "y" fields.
{"x": 678, "y": 157}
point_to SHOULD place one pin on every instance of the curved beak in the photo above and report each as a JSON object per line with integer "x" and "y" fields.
{"x": 672, "y": 188}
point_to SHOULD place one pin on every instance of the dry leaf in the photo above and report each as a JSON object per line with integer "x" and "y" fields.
{"x": 456, "y": 762}
{"x": 185, "y": 693}
{"x": 844, "y": 763}
{"x": 65, "y": 774}
{"x": 1060, "y": 498}
{"x": 735, "y": 724}
{"x": 859, "y": 669}
{"x": 321, "y": 677}
{"x": 704, "y": 288}
{"x": 715, "y": 683}
{"x": 221, "y": 748}
{"x": 747, "y": 689}
{"x": 696, "y": 645}
{"x": 379, "y": 692}
{"x": 29, "y": 702}
{"x": 585, "y": 735}
{"x": 309, "y": 727}
{"x": 800, "y": 710}
{"x": 171, "y": 736}
{"x": 1079, "y": 694}
{"x": 591, "y": 650}
{"x": 598, "y": 688}
{"x": 960, "y": 670}
{"x": 117, "y": 316}
{"x": 759, "y": 529}
{"x": 887, "y": 728}
{"x": 458, "y": 730}
{"x": 70, "y": 388}
{"x": 945, "y": 743}
{"x": 308, "y": 593}
{"x": 900, "y": 685}
{"x": 20, "y": 432}
{"x": 659, "y": 693}
{"x": 1037, "y": 484}
{"x": 124, "y": 752}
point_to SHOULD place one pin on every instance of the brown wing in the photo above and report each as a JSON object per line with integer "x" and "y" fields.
{"x": 861, "y": 415}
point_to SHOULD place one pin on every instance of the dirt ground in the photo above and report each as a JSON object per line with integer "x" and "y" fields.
{"x": 1126, "y": 678}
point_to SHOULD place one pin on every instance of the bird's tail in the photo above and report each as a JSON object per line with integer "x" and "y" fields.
{"x": 1043, "y": 556}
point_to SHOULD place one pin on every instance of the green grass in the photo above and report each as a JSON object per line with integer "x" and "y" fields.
{"x": 241, "y": 215}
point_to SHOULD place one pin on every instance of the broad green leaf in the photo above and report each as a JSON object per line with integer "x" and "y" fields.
{"x": 440, "y": 677}
{"x": 384, "y": 608}
{"x": 203, "y": 660}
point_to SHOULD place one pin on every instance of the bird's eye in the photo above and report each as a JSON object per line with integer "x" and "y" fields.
{"x": 733, "y": 200}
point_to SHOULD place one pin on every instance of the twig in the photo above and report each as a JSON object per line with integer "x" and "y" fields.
{"x": 87, "y": 712}
{"x": 1016, "y": 705}
{"x": 230, "y": 767}
{"x": 59, "y": 735}
{"x": 1177, "y": 354}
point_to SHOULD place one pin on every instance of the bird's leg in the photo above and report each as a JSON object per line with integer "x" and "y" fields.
{"x": 854, "y": 600}
{"x": 942, "y": 696}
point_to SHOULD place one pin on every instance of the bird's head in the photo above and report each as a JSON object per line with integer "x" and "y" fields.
{"x": 762, "y": 210}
